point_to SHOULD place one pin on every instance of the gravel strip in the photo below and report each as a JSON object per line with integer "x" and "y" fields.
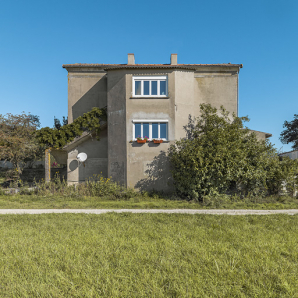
{"x": 180, "y": 211}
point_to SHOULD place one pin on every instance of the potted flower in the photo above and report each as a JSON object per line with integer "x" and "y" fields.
{"x": 142, "y": 140}
{"x": 157, "y": 141}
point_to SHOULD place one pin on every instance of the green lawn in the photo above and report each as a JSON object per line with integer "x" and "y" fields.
{"x": 146, "y": 202}
{"x": 148, "y": 255}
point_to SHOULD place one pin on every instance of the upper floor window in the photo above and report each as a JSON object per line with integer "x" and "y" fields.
{"x": 152, "y": 129}
{"x": 151, "y": 86}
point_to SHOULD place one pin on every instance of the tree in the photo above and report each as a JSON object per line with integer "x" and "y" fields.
{"x": 57, "y": 123}
{"x": 221, "y": 155}
{"x": 17, "y": 140}
{"x": 290, "y": 134}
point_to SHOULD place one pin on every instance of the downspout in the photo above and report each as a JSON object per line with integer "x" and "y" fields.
{"x": 238, "y": 89}
{"x": 237, "y": 93}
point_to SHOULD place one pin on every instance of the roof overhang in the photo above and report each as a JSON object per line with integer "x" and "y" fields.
{"x": 107, "y": 67}
{"x": 265, "y": 134}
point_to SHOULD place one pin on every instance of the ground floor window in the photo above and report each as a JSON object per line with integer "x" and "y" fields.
{"x": 153, "y": 129}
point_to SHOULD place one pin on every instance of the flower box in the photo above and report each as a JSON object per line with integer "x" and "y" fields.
{"x": 157, "y": 141}
{"x": 142, "y": 141}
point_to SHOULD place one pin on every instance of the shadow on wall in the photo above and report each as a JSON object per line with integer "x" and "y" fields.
{"x": 159, "y": 170}
{"x": 96, "y": 96}
{"x": 189, "y": 127}
{"x": 73, "y": 165}
{"x": 159, "y": 175}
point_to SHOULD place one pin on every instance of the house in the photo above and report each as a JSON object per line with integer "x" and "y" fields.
{"x": 153, "y": 100}
{"x": 291, "y": 154}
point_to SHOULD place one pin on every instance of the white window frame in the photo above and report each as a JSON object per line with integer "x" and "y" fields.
{"x": 149, "y": 78}
{"x": 150, "y": 128}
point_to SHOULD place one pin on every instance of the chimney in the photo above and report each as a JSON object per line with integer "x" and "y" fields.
{"x": 131, "y": 59}
{"x": 174, "y": 59}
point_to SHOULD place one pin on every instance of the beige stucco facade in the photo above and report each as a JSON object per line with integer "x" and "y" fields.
{"x": 143, "y": 166}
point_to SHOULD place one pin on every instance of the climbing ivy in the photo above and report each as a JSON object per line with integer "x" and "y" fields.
{"x": 57, "y": 138}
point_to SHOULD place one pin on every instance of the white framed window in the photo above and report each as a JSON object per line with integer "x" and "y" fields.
{"x": 150, "y": 86}
{"x": 152, "y": 129}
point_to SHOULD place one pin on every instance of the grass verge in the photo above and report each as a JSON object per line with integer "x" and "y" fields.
{"x": 139, "y": 202}
{"x": 148, "y": 255}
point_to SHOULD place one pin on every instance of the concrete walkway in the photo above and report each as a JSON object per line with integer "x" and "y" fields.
{"x": 179, "y": 211}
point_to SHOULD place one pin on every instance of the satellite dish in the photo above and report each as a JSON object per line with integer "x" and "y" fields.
{"x": 81, "y": 157}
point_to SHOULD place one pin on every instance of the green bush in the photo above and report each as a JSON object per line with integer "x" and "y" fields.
{"x": 221, "y": 156}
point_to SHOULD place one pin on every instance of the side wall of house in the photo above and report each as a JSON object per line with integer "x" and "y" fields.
{"x": 96, "y": 163}
{"x": 87, "y": 88}
{"x": 217, "y": 87}
{"x": 208, "y": 85}
{"x": 186, "y": 104}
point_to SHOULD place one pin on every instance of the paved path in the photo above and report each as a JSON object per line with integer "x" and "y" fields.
{"x": 180, "y": 211}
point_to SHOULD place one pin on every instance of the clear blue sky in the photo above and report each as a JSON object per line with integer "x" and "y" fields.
{"x": 37, "y": 37}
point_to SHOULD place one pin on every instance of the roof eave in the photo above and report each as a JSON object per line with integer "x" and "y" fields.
{"x": 148, "y": 66}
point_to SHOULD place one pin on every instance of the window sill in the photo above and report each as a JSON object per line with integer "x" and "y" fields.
{"x": 149, "y": 97}
{"x": 135, "y": 141}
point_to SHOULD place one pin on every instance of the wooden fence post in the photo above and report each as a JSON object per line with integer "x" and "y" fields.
{"x": 47, "y": 165}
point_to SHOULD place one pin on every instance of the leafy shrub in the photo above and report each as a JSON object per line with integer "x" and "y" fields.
{"x": 221, "y": 156}
{"x": 283, "y": 178}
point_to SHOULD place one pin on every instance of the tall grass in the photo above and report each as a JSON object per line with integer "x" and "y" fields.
{"x": 100, "y": 192}
{"x": 96, "y": 186}
{"x": 148, "y": 255}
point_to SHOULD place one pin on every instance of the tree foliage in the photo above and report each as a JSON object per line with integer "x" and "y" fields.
{"x": 17, "y": 140}
{"x": 57, "y": 122}
{"x": 59, "y": 136}
{"x": 290, "y": 134}
{"x": 220, "y": 156}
